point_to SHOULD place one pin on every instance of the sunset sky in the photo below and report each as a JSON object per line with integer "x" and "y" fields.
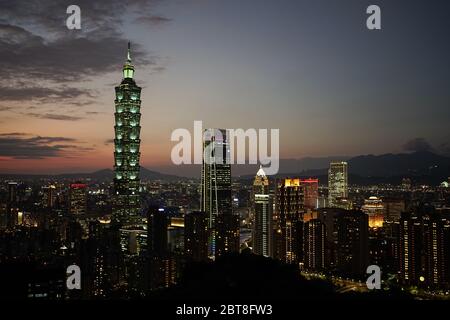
{"x": 310, "y": 68}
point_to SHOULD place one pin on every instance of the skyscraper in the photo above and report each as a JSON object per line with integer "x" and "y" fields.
{"x": 352, "y": 241}
{"x": 48, "y": 196}
{"x": 162, "y": 264}
{"x": 216, "y": 197}
{"x": 410, "y": 247}
{"x": 289, "y": 210}
{"x": 337, "y": 183}
{"x": 311, "y": 191}
{"x": 157, "y": 224}
{"x": 262, "y": 225}
{"x": 78, "y": 198}
{"x": 11, "y": 205}
{"x": 375, "y": 210}
{"x": 126, "y": 203}
{"x": 314, "y": 245}
{"x": 424, "y": 256}
{"x": 196, "y": 236}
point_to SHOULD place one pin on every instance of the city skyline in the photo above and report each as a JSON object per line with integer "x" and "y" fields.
{"x": 55, "y": 98}
{"x": 318, "y": 133}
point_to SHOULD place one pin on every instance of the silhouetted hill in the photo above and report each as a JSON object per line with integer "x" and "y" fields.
{"x": 100, "y": 175}
{"x": 423, "y": 167}
{"x": 417, "y": 163}
{"x": 244, "y": 275}
{"x": 247, "y": 276}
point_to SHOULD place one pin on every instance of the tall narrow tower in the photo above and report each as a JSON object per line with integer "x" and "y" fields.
{"x": 337, "y": 183}
{"x": 126, "y": 202}
{"x": 262, "y": 225}
{"x": 223, "y": 224}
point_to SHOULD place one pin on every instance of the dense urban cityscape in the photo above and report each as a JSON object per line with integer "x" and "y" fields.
{"x": 135, "y": 238}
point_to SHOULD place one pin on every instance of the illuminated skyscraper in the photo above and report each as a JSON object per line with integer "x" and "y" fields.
{"x": 337, "y": 183}
{"x": 424, "y": 255}
{"x": 48, "y": 196}
{"x": 126, "y": 204}
{"x": 375, "y": 210}
{"x": 262, "y": 225}
{"x": 216, "y": 200}
{"x": 78, "y": 198}
{"x": 314, "y": 245}
{"x": 289, "y": 208}
{"x": 311, "y": 191}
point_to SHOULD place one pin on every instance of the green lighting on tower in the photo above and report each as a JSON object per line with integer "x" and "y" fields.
{"x": 126, "y": 202}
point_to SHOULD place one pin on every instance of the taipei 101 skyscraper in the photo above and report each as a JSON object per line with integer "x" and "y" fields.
{"x": 126, "y": 200}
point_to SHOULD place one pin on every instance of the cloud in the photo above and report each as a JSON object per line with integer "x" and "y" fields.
{"x": 417, "y": 144}
{"x": 5, "y": 108}
{"x": 13, "y": 134}
{"x": 53, "y": 116}
{"x": 43, "y": 60}
{"x": 19, "y": 145}
{"x": 69, "y": 58}
{"x": 153, "y": 20}
{"x": 109, "y": 141}
{"x": 42, "y": 94}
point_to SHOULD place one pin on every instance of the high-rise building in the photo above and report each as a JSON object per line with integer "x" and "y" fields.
{"x": 48, "y": 196}
{"x": 12, "y": 209}
{"x": 102, "y": 260}
{"x": 78, "y": 198}
{"x": 337, "y": 183}
{"x": 162, "y": 264}
{"x": 393, "y": 209}
{"x": 328, "y": 217}
{"x": 126, "y": 201}
{"x": 216, "y": 193}
{"x": 424, "y": 256}
{"x": 352, "y": 243}
{"x": 311, "y": 191}
{"x": 374, "y": 208}
{"x": 196, "y": 236}
{"x": 289, "y": 206}
{"x": 262, "y": 224}
{"x": 410, "y": 249}
{"x": 157, "y": 225}
{"x": 314, "y": 245}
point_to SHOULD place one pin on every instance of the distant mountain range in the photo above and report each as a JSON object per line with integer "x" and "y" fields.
{"x": 422, "y": 167}
{"x": 426, "y": 167}
{"x": 100, "y": 175}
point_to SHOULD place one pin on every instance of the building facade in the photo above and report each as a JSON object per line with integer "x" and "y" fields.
{"x": 337, "y": 183}
{"x": 289, "y": 210}
{"x": 126, "y": 201}
{"x": 196, "y": 236}
{"x": 78, "y": 199}
{"x": 352, "y": 243}
{"x": 314, "y": 234}
{"x": 216, "y": 194}
{"x": 262, "y": 223}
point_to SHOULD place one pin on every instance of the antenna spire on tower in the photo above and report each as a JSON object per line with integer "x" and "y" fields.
{"x": 129, "y": 52}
